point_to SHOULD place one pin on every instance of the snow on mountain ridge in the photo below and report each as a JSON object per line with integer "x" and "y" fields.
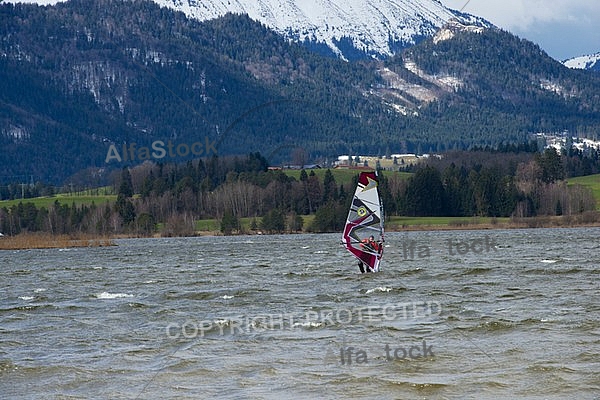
{"x": 448, "y": 31}
{"x": 584, "y": 62}
{"x": 375, "y": 27}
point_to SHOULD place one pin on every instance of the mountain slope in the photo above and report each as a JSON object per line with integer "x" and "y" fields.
{"x": 349, "y": 28}
{"x": 590, "y": 62}
{"x": 76, "y": 79}
{"x": 495, "y": 81}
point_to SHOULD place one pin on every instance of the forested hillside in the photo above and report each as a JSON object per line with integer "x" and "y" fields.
{"x": 507, "y": 84}
{"x": 84, "y": 78}
{"x": 76, "y": 79}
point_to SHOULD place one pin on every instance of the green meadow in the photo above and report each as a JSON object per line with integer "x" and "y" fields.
{"x": 62, "y": 199}
{"x": 392, "y": 223}
{"x": 398, "y": 222}
{"x": 591, "y": 181}
{"x": 214, "y": 225}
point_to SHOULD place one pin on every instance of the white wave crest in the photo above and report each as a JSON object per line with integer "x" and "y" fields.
{"x": 310, "y": 324}
{"x": 379, "y": 289}
{"x": 106, "y": 295}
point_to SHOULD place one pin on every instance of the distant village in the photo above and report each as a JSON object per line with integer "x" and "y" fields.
{"x": 398, "y": 162}
{"x": 392, "y": 162}
{"x": 565, "y": 140}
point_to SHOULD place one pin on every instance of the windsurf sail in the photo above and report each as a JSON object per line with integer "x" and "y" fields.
{"x": 365, "y": 219}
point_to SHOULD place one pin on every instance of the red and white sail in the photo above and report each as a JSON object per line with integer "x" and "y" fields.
{"x": 365, "y": 219}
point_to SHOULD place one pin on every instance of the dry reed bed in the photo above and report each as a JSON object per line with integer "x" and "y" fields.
{"x": 47, "y": 241}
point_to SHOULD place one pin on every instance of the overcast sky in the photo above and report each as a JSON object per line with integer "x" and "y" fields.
{"x": 563, "y": 28}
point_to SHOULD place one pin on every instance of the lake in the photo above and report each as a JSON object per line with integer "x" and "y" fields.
{"x": 452, "y": 315}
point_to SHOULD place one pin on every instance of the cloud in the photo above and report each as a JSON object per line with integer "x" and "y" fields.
{"x": 564, "y": 28}
{"x": 522, "y": 15}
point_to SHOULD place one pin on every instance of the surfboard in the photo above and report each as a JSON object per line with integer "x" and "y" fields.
{"x": 365, "y": 219}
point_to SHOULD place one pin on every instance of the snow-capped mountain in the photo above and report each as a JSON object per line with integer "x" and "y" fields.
{"x": 584, "y": 62}
{"x": 350, "y": 28}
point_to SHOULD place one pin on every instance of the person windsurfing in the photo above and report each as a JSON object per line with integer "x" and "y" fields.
{"x": 365, "y": 223}
{"x": 370, "y": 245}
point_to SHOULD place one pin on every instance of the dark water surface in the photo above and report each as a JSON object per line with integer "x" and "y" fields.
{"x": 516, "y": 315}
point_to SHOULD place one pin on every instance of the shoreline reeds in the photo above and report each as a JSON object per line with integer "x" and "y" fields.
{"x": 26, "y": 241}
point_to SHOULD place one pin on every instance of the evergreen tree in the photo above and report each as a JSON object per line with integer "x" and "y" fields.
{"x": 329, "y": 187}
{"x": 125, "y": 208}
{"x": 303, "y": 176}
{"x": 125, "y": 186}
{"x": 229, "y": 223}
{"x": 551, "y": 163}
{"x": 330, "y": 217}
{"x": 273, "y": 221}
{"x": 425, "y": 193}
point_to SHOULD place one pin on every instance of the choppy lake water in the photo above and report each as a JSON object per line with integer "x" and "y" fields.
{"x": 497, "y": 315}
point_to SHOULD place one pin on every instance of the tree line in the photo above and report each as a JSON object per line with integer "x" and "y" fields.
{"x": 172, "y": 197}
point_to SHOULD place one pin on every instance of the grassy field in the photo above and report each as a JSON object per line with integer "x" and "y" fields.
{"x": 392, "y": 224}
{"x": 591, "y": 181}
{"x": 214, "y": 225}
{"x": 63, "y": 199}
{"x": 398, "y": 224}
{"x": 451, "y": 222}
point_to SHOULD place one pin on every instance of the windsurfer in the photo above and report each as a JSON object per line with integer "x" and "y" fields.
{"x": 363, "y": 232}
{"x": 369, "y": 244}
